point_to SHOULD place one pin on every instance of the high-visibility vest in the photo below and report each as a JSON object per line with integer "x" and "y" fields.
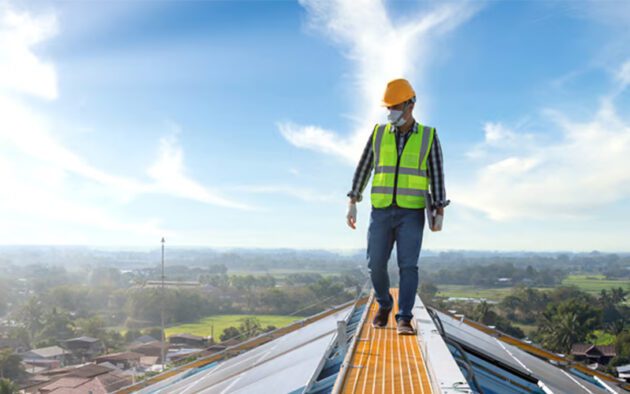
{"x": 407, "y": 174}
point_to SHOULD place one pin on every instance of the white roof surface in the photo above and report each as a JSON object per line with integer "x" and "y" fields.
{"x": 556, "y": 379}
{"x": 280, "y": 366}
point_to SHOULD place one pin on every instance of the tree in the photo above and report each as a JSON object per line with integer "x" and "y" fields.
{"x": 57, "y": 326}
{"x": 250, "y": 327}
{"x": 618, "y": 295}
{"x": 131, "y": 335}
{"x": 567, "y": 323}
{"x": 427, "y": 291}
{"x": 8, "y": 387}
{"x": 4, "y": 296}
{"x": 10, "y": 365}
{"x": 229, "y": 333}
{"x": 114, "y": 341}
{"x": 30, "y": 316}
{"x": 483, "y": 313}
{"x": 622, "y": 344}
{"x": 91, "y": 327}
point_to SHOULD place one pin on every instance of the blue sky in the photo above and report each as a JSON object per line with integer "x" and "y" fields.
{"x": 238, "y": 124}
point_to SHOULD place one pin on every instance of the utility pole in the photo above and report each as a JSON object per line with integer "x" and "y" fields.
{"x": 162, "y": 312}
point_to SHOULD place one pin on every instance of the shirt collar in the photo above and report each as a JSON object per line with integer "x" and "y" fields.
{"x": 414, "y": 128}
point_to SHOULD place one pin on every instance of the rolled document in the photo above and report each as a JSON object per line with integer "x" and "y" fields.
{"x": 437, "y": 223}
{"x": 434, "y": 221}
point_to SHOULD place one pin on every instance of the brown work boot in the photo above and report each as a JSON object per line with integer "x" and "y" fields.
{"x": 380, "y": 318}
{"x": 405, "y": 327}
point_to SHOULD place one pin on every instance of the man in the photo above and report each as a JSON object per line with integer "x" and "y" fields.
{"x": 406, "y": 157}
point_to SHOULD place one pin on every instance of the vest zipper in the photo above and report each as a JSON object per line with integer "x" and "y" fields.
{"x": 399, "y": 153}
{"x": 396, "y": 181}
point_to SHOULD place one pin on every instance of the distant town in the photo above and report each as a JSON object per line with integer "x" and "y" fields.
{"x": 89, "y": 319}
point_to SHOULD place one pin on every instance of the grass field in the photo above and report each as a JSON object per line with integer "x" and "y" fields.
{"x": 493, "y": 294}
{"x": 528, "y": 329}
{"x": 204, "y": 326}
{"x": 594, "y": 283}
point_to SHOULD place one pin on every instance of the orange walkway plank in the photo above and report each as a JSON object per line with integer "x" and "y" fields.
{"x": 385, "y": 362}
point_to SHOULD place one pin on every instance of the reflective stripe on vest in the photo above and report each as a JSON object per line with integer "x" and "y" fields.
{"x": 412, "y": 182}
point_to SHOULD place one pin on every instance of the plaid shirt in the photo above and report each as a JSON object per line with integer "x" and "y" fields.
{"x": 434, "y": 167}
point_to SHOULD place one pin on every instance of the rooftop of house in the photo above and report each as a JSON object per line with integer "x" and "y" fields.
{"x": 143, "y": 339}
{"x": 186, "y": 336}
{"x": 82, "y": 339}
{"x": 47, "y": 352}
{"x": 586, "y": 349}
{"x": 121, "y": 356}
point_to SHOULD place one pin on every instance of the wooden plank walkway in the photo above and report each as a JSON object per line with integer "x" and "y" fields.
{"x": 385, "y": 362}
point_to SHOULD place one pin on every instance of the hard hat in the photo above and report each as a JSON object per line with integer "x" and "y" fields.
{"x": 397, "y": 91}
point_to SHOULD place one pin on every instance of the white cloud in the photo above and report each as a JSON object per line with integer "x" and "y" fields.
{"x": 49, "y": 185}
{"x": 623, "y": 75}
{"x": 583, "y": 171}
{"x": 306, "y": 195}
{"x": 316, "y": 138}
{"x": 21, "y": 71}
{"x": 380, "y": 49}
{"x": 170, "y": 177}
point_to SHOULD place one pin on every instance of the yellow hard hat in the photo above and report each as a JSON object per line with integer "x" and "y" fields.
{"x": 397, "y": 91}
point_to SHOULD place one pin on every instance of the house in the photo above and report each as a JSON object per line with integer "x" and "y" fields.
{"x": 71, "y": 385}
{"x": 142, "y": 340}
{"x": 148, "y": 361}
{"x": 175, "y": 355}
{"x": 50, "y": 353}
{"x": 623, "y": 371}
{"x": 89, "y": 378}
{"x": 122, "y": 360}
{"x": 34, "y": 366}
{"x": 101, "y": 384}
{"x": 84, "y": 348}
{"x": 151, "y": 349}
{"x": 591, "y": 354}
{"x": 188, "y": 340}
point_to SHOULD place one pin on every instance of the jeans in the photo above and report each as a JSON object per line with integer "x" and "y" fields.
{"x": 405, "y": 227}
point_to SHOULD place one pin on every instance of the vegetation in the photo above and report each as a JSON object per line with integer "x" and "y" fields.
{"x": 220, "y": 323}
{"x": 595, "y": 283}
{"x": 554, "y": 299}
{"x": 10, "y": 365}
{"x": 8, "y": 387}
{"x": 558, "y": 318}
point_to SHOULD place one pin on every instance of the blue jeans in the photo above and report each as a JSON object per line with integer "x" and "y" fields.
{"x": 405, "y": 227}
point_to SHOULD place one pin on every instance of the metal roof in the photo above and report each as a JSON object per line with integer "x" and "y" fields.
{"x": 322, "y": 355}
{"x": 280, "y": 366}
{"x": 493, "y": 357}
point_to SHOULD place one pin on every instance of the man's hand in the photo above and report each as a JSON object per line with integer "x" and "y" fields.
{"x": 351, "y": 217}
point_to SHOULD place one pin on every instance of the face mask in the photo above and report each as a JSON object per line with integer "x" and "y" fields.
{"x": 395, "y": 117}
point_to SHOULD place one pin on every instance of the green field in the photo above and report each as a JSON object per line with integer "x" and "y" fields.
{"x": 204, "y": 326}
{"x": 493, "y": 294}
{"x": 594, "y": 283}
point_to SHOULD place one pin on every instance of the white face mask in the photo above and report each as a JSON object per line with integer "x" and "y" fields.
{"x": 395, "y": 117}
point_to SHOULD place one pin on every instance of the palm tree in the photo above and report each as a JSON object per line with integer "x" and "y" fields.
{"x": 567, "y": 323}
{"x": 481, "y": 311}
{"x": 618, "y": 295}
